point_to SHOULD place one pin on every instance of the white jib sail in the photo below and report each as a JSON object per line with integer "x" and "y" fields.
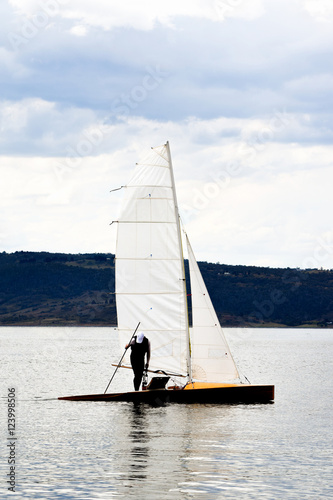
{"x": 149, "y": 268}
{"x": 210, "y": 354}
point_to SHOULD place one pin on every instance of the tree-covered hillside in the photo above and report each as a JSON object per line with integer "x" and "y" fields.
{"x": 45, "y": 288}
{"x": 40, "y": 288}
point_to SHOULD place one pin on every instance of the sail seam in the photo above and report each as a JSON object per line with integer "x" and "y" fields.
{"x": 148, "y": 293}
{"x": 150, "y": 197}
{"x": 145, "y": 222}
{"x": 143, "y": 259}
{"x": 148, "y": 185}
{"x": 153, "y": 164}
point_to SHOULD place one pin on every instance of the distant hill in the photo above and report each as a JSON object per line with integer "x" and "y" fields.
{"x": 41, "y": 288}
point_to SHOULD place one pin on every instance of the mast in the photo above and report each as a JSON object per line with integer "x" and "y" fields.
{"x": 180, "y": 246}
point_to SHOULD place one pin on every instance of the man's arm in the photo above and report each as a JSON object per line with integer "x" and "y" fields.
{"x": 130, "y": 343}
{"x": 148, "y": 355}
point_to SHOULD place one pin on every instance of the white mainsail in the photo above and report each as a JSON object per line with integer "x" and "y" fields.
{"x": 150, "y": 284}
{"x": 210, "y": 354}
{"x": 150, "y": 280}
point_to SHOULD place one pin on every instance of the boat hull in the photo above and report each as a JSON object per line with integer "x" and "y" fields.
{"x": 241, "y": 393}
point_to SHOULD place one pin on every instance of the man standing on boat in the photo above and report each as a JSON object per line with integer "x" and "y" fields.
{"x": 140, "y": 347}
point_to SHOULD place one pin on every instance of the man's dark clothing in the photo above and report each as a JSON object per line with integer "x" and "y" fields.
{"x": 138, "y": 360}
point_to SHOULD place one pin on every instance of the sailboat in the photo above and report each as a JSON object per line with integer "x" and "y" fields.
{"x": 190, "y": 363}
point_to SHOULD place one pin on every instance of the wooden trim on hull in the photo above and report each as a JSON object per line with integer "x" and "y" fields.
{"x": 228, "y": 394}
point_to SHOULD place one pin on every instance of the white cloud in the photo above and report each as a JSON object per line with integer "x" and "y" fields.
{"x": 143, "y": 15}
{"x": 272, "y": 212}
{"x": 309, "y": 87}
{"x": 240, "y": 88}
{"x": 79, "y": 30}
{"x": 36, "y": 126}
{"x": 278, "y": 219}
{"x": 321, "y": 10}
{"x": 241, "y": 67}
{"x": 9, "y": 64}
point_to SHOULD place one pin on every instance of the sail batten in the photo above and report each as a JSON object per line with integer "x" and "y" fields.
{"x": 144, "y": 222}
{"x": 152, "y": 165}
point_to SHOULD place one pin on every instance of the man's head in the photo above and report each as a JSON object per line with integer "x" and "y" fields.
{"x": 140, "y": 337}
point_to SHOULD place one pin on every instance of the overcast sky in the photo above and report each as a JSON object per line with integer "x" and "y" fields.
{"x": 242, "y": 89}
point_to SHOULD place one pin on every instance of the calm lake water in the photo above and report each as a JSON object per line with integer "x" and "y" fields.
{"x": 98, "y": 450}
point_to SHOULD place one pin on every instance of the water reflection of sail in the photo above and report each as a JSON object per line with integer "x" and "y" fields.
{"x": 139, "y": 443}
{"x": 169, "y": 449}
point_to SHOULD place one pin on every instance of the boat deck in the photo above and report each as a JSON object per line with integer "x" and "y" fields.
{"x": 193, "y": 393}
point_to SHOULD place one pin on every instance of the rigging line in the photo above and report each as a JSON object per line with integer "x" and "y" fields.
{"x": 181, "y": 256}
{"x": 154, "y": 371}
{"x": 245, "y": 377}
{"x": 171, "y": 374}
{"x": 182, "y": 226}
{"x": 159, "y": 154}
{"x": 117, "y": 189}
{"x": 122, "y": 357}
